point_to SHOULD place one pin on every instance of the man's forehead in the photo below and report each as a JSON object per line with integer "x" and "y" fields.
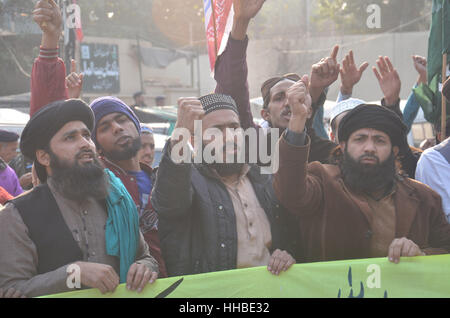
{"x": 110, "y": 117}
{"x": 370, "y": 132}
{"x": 221, "y": 117}
{"x": 147, "y": 137}
{"x": 72, "y": 125}
{"x": 281, "y": 86}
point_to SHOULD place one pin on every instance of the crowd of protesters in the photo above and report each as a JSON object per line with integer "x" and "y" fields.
{"x": 82, "y": 191}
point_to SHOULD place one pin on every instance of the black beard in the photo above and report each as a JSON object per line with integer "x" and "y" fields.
{"x": 77, "y": 182}
{"x": 226, "y": 169}
{"x": 129, "y": 152}
{"x": 368, "y": 178}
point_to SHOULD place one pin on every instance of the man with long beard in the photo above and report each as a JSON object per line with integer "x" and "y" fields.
{"x": 217, "y": 213}
{"x": 81, "y": 216}
{"x": 360, "y": 207}
{"x": 117, "y": 136}
{"x": 48, "y": 83}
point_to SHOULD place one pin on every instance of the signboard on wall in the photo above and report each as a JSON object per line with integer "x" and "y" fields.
{"x": 100, "y": 65}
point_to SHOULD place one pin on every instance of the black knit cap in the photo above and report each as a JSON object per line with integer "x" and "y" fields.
{"x": 45, "y": 123}
{"x": 376, "y": 117}
{"x": 214, "y": 102}
{"x": 271, "y": 82}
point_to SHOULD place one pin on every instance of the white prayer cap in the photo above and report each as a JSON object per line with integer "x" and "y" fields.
{"x": 343, "y": 106}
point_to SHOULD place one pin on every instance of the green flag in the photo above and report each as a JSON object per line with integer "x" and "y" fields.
{"x": 429, "y": 96}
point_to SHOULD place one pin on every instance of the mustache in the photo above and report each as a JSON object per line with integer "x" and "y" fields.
{"x": 122, "y": 138}
{"x": 85, "y": 152}
{"x": 369, "y": 157}
{"x": 286, "y": 111}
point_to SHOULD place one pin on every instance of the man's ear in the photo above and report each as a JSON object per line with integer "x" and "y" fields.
{"x": 342, "y": 144}
{"x": 396, "y": 150}
{"x": 43, "y": 157}
{"x": 265, "y": 114}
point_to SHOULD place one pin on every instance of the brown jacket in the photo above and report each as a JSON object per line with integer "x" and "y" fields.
{"x": 333, "y": 222}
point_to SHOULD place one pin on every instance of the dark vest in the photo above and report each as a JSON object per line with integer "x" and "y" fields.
{"x": 47, "y": 229}
{"x": 444, "y": 149}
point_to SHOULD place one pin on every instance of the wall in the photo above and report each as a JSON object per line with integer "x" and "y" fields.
{"x": 269, "y": 58}
{"x": 173, "y": 81}
{"x": 297, "y": 55}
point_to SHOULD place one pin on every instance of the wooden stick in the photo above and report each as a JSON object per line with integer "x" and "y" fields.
{"x": 444, "y": 100}
{"x": 213, "y": 12}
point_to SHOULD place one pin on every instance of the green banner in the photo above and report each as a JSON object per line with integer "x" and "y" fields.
{"x": 428, "y": 95}
{"x": 438, "y": 41}
{"x": 423, "y": 276}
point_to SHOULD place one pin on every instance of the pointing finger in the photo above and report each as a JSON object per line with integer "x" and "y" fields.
{"x": 334, "y": 52}
{"x": 73, "y": 66}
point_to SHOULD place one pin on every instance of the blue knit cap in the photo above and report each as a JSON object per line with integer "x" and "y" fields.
{"x": 109, "y": 104}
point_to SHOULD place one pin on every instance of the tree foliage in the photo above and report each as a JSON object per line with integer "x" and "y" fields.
{"x": 345, "y": 16}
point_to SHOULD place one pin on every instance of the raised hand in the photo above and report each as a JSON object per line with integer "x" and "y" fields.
{"x": 388, "y": 79}
{"x": 420, "y": 64}
{"x": 247, "y": 9}
{"x": 244, "y": 11}
{"x": 300, "y": 103}
{"x": 47, "y": 15}
{"x": 350, "y": 73}
{"x": 74, "y": 81}
{"x": 323, "y": 74}
{"x": 190, "y": 109}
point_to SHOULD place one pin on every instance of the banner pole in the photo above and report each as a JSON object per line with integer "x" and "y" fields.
{"x": 213, "y": 13}
{"x": 444, "y": 100}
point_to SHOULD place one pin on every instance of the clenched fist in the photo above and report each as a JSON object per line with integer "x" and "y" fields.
{"x": 189, "y": 110}
{"x": 300, "y": 102}
{"x": 47, "y": 15}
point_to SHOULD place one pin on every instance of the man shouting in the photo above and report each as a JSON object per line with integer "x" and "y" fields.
{"x": 81, "y": 216}
{"x": 359, "y": 207}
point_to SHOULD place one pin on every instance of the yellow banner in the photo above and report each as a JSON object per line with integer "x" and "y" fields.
{"x": 423, "y": 276}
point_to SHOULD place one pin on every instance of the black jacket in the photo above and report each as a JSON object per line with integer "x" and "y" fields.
{"x": 197, "y": 224}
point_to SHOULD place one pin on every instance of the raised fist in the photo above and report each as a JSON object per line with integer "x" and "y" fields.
{"x": 47, "y": 15}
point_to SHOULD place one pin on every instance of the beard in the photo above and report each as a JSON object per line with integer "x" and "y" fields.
{"x": 77, "y": 182}
{"x": 368, "y": 178}
{"x": 226, "y": 168}
{"x": 130, "y": 151}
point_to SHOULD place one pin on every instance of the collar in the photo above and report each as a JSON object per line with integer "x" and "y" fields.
{"x": 3, "y": 164}
{"x": 118, "y": 170}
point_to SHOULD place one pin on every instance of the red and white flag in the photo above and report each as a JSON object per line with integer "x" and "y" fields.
{"x": 218, "y": 24}
{"x": 79, "y": 29}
